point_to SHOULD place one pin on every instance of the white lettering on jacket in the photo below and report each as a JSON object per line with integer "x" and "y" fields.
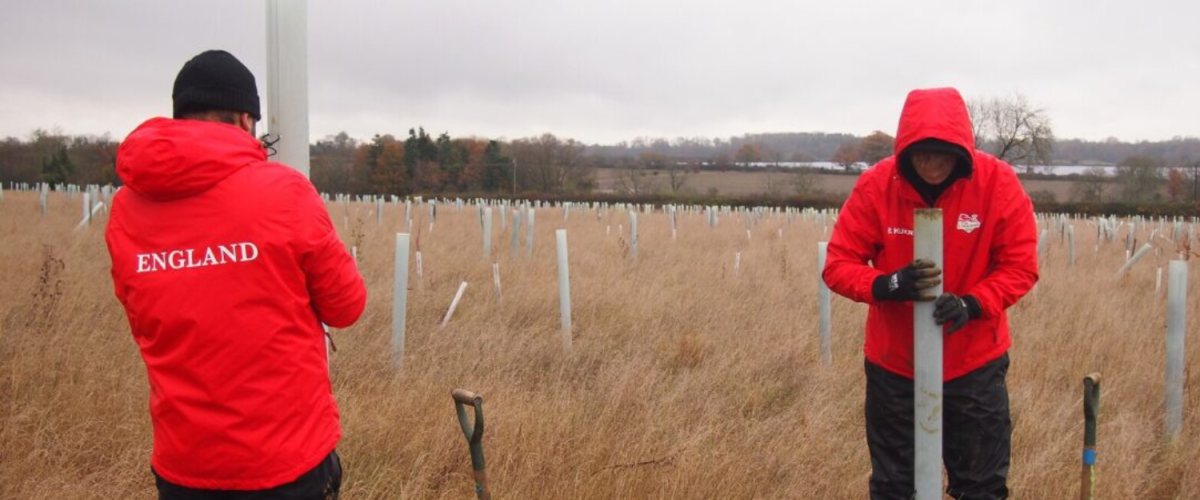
{"x": 172, "y": 260}
{"x": 899, "y": 230}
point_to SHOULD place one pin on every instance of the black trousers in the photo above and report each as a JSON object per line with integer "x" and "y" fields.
{"x": 323, "y": 482}
{"x": 976, "y": 433}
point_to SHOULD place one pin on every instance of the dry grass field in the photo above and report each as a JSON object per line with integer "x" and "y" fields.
{"x": 686, "y": 380}
{"x": 737, "y": 183}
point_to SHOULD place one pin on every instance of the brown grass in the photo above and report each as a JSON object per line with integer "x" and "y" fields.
{"x": 685, "y": 382}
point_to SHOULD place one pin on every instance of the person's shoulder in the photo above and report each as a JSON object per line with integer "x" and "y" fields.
{"x": 877, "y": 175}
{"x": 988, "y": 166}
{"x": 278, "y": 176}
{"x": 997, "y": 177}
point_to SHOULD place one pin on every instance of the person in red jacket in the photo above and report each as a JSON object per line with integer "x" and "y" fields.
{"x": 227, "y": 264}
{"x": 990, "y": 262}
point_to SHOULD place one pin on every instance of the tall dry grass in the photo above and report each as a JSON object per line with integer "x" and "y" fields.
{"x": 686, "y": 381}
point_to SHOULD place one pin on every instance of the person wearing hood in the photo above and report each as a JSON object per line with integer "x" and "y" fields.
{"x": 990, "y": 262}
{"x": 226, "y": 265}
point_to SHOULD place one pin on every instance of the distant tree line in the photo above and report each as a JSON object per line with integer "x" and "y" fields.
{"x": 56, "y": 158}
{"x": 1008, "y": 127}
{"x": 422, "y": 164}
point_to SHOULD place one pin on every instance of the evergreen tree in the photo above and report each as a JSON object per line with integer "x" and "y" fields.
{"x": 58, "y": 168}
{"x": 497, "y": 171}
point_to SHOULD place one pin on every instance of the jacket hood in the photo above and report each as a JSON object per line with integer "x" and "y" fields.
{"x": 166, "y": 159}
{"x": 935, "y": 114}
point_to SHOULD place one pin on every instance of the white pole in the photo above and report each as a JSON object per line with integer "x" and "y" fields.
{"x": 420, "y": 270}
{"x": 1041, "y": 247}
{"x": 1071, "y": 245}
{"x": 454, "y": 303}
{"x": 529, "y": 232}
{"x": 496, "y": 280}
{"x": 87, "y": 208}
{"x": 400, "y": 297}
{"x": 516, "y": 231}
{"x": 672, "y": 222}
{"x": 633, "y": 234}
{"x": 1176, "y": 325}
{"x": 408, "y": 216}
{"x": 564, "y": 288}
{"x": 927, "y": 356}
{"x": 42, "y": 195}
{"x": 287, "y": 80}
{"x": 1134, "y": 260}
{"x": 823, "y": 299}
{"x": 737, "y": 263}
{"x": 487, "y": 232}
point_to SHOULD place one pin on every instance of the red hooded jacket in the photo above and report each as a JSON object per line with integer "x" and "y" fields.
{"x": 990, "y": 242}
{"x": 227, "y": 264}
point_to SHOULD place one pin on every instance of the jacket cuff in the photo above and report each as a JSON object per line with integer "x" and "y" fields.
{"x": 879, "y": 288}
{"x": 974, "y": 311}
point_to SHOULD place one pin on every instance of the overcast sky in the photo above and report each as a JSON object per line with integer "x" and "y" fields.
{"x": 612, "y": 70}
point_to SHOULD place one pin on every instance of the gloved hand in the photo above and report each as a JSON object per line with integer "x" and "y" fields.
{"x": 908, "y": 283}
{"x": 950, "y": 308}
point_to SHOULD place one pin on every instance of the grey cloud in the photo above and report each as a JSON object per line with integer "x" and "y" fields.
{"x": 608, "y": 71}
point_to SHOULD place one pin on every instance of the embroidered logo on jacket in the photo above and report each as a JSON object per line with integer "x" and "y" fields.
{"x": 968, "y": 223}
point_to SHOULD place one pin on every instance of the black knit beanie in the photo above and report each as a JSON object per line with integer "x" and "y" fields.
{"x": 215, "y": 80}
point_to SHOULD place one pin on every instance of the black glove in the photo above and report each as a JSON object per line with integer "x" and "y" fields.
{"x": 908, "y": 283}
{"x": 955, "y": 310}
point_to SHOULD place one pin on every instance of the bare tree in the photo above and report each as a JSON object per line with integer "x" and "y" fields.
{"x": 677, "y": 174}
{"x": 1195, "y": 180}
{"x": 805, "y": 182}
{"x": 632, "y": 179}
{"x": 1090, "y": 186}
{"x": 773, "y": 185}
{"x": 1140, "y": 178}
{"x": 1013, "y": 130}
{"x": 550, "y": 164}
{"x": 654, "y": 162}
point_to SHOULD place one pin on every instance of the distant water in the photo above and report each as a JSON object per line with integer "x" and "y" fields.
{"x": 828, "y": 165}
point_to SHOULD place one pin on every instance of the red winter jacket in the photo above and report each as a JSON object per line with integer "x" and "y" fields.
{"x": 227, "y": 264}
{"x": 990, "y": 242}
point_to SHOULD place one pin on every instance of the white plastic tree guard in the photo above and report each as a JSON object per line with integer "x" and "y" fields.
{"x": 516, "y": 232}
{"x": 823, "y": 298}
{"x": 564, "y": 288}
{"x": 927, "y": 360}
{"x": 487, "y": 232}
{"x": 1176, "y": 326}
{"x": 1071, "y": 246}
{"x": 530, "y": 221}
{"x": 496, "y": 281}
{"x": 633, "y": 234}
{"x": 1135, "y": 258}
{"x": 462, "y": 288}
{"x": 400, "y": 298}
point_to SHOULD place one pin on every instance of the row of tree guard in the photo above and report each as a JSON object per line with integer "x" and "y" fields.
{"x": 927, "y": 244}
